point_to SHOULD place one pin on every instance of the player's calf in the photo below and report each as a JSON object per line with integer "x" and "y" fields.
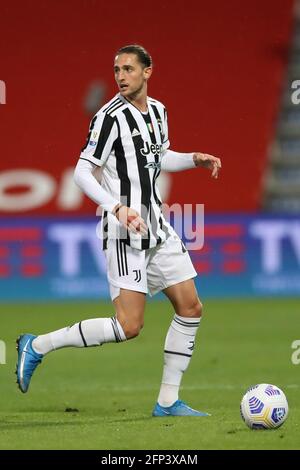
{"x": 130, "y": 307}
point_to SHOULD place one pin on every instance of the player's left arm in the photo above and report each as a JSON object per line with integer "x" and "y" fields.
{"x": 205, "y": 160}
{"x": 175, "y": 161}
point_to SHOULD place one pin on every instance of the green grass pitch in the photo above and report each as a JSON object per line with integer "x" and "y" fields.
{"x": 112, "y": 389}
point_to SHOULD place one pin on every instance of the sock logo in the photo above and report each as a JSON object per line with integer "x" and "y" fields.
{"x": 138, "y": 275}
{"x": 191, "y": 348}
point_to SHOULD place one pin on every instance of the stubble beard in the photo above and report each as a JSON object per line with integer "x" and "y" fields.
{"x": 135, "y": 94}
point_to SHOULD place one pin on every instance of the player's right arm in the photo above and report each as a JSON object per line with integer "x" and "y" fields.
{"x": 103, "y": 133}
{"x": 85, "y": 179}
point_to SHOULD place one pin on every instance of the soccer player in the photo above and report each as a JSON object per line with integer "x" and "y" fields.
{"x": 128, "y": 139}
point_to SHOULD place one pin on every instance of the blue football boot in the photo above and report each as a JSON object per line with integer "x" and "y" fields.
{"x": 28, "y": 360}
{"x": 179, "y": 408}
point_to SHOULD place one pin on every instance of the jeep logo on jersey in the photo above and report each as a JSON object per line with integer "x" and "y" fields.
{"x": 155, "y": 149}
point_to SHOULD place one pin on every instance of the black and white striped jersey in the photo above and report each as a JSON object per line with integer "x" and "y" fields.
{"x": 129, "y": 145}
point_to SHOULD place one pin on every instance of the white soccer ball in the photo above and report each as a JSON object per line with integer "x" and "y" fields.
{"x": 264, "y": 406}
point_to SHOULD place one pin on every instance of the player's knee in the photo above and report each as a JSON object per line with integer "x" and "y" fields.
{"x": 195, "y": 309}
{"x": 199, "y": 309}
{"x": 132, "y": 330}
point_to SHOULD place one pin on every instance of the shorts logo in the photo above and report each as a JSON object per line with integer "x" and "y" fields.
{"x": 138, "y": 275}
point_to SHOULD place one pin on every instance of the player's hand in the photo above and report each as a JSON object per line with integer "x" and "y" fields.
{"x": 131, "y": 219}
{"x": 208, "y": 161}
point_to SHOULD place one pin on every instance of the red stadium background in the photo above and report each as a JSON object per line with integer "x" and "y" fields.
{"x": 218, "y": 70}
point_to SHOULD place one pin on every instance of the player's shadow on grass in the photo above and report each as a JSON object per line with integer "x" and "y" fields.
{"x": 32, "y": 424}
{"x": 128, "y": 420}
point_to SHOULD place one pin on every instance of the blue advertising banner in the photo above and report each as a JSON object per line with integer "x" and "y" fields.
{"x": 56, "y": 258}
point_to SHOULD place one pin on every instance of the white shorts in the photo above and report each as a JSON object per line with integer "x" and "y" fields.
{"x": 147, "y": 271}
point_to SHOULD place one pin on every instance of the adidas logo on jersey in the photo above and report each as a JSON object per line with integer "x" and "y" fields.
{"x": 135, "y": 133}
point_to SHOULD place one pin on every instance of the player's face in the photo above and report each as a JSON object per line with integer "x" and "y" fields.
{"x": 130, "y": 75}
